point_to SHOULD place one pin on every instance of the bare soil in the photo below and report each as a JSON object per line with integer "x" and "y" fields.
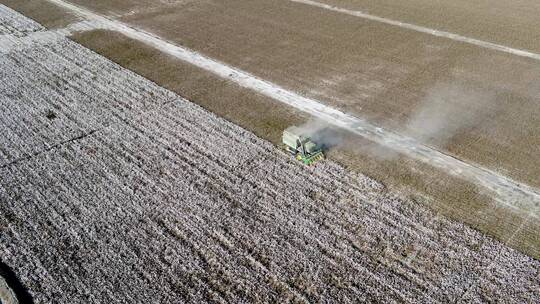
{"x": 510, "y": 23}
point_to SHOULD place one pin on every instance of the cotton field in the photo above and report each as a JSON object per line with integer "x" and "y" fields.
{"x": 115, "y": 190}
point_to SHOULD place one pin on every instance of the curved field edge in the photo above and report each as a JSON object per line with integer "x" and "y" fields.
{"x": 12, "y": 291}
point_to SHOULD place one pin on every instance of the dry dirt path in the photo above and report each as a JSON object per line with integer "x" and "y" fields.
{"x": 7, "y": 296}
{"x": 114, "y": 190}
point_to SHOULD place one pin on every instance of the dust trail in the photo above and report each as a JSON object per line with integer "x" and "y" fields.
{"x": 323, "y": 133}
{"x": 425, "y": 30}
{"x": 506, "y": 191}
{"x": 447, "y": 109}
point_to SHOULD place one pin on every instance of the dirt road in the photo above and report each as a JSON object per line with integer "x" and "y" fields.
{"x": 511, "y": 24}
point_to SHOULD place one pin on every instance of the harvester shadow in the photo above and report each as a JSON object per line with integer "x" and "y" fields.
{"x": 22, "y": 294}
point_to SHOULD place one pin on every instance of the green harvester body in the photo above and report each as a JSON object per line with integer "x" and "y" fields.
{"x": 301, "y": 146}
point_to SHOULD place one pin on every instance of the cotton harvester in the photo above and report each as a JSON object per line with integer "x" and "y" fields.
{"x": 301, "y": 146}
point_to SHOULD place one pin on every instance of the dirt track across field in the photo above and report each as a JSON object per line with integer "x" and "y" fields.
{"x": 7, "y": 296}
{"x": 511, "y": 24}
{"x": 116, "y": 190}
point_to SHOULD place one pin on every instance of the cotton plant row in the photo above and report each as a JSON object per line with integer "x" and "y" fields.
{"x": 153, "y": 197}
{"x": 47, "y": 85}
{"x": 116, "y": 190}
{"x": 13, "y": 23}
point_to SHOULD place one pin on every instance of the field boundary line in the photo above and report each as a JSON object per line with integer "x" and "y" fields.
{"x": 425, "y": 30}
{"x": 505, "y": 191}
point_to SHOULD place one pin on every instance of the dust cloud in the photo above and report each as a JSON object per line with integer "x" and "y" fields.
{"x": 448, "y": 109}
{"x": 323, "y": 133}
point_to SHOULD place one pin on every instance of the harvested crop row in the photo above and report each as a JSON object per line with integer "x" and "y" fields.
{"x": 129, "y": 193}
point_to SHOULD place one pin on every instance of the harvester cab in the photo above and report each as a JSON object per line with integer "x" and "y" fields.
{"x": 301, "y": 146}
